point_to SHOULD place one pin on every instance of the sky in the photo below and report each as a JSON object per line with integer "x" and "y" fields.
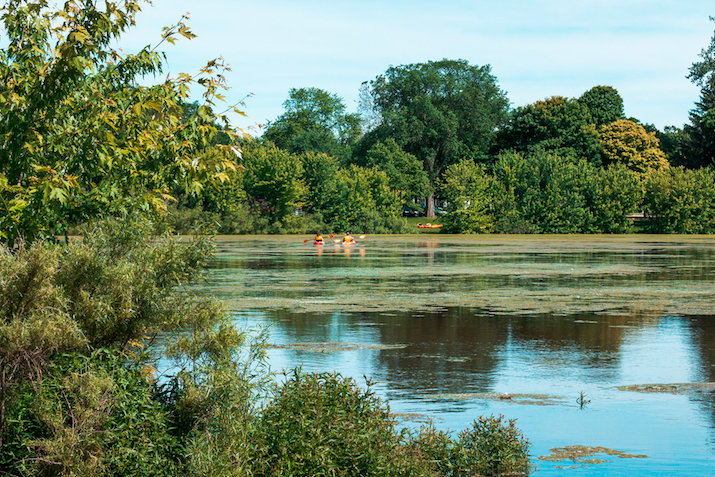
{"x": 536, "y": 48}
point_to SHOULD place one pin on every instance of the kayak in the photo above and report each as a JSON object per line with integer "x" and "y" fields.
{"x": 429, "y": 226}
{"x": 319, "y": 243}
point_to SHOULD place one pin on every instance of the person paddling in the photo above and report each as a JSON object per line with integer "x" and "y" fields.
{"x": 348, "y": 239}
{"x": 318, "y": 239}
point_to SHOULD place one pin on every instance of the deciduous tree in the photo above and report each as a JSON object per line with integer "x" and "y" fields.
{"x": 440, "y": 112}
{"x": 314, "y": 120}
{"x": 627, "y": 143}
{"x": 557, "y": 124}
{"x": 79, "y": 137}
{"x": 604, "y": 104}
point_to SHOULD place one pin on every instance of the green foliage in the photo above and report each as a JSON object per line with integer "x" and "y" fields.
{"x": 325, "y": 425}
{"x": 405, "y": 171}
{"x": 468, "y": 190}
{"x": 316, "y": 121}
{"x": 493, "y": 447}
{"x": 320, "y": 176}
{"x": 681, "y": 201}
{"x": 440, "y": 112}
{"x": 364, "y": 202}
{"x": 78, "y": 137}
{"x": 627, "y": 143}
{"x": 273, "y": 180}
{"x": 79, "y": 331}
{"x": 545, "y": 193}
{"x": 91, "y": 415}
{"x": 559, "y": 125}
{"x": 604, "y": 104}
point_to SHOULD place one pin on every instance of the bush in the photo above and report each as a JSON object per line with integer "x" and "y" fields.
{"x": 492, "y": 447}
{"x": 681, "y": 201}
{"x": 325, "y": 425}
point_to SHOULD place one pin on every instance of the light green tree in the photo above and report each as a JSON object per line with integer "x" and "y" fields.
{"x": 627, "y": 143}
{"x": 79, "y": 137}
{"x": 468, "y": 190}
{"x": 273, "y": 180}
{"x": 404, "y": 169}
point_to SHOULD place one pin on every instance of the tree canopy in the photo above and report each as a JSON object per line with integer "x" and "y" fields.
{"x": 627, "y": 143}
{"x": 604, "y": 104}
{"x": 79, "y": 137}
{"x": 439, "y": 111}
{"x": 558, "y": 124}
{"x": 314, "y": 120}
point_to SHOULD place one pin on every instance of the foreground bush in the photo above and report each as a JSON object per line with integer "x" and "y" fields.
{"x": 324, "y": 424}
{"x": 83, "y": 329}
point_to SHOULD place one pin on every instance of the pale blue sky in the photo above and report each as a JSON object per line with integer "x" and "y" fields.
{"x": 536, "y": 49}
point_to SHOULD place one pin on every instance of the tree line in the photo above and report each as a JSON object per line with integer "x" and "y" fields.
{"x": 428, "y": 133}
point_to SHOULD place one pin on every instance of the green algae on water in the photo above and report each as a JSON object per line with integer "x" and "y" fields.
{"x": 585, "y": 454}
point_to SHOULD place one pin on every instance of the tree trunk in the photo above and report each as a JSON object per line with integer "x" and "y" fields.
{"x": 430, "y": 205}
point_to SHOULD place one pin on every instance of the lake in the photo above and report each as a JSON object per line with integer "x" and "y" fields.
{"x": 602, "y": 342}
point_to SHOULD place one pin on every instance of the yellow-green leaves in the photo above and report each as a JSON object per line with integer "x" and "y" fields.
{"x": 79, "y": 138}
{"x": 627, "y": 143}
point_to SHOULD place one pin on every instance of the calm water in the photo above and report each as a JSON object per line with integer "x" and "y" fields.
{"x": 452, "y": 328}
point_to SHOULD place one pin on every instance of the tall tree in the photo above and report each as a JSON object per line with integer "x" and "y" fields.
{"x": 557, "y": 124}
{"x": 702, "y": 117}
{"x": 314, "y": 120}
{"x": 439, "y": 111}
{"x": 78, "y": 136}
{"x": 604, "y": 104}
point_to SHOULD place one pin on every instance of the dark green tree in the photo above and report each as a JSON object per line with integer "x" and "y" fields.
{"x": 604, "y": 104}
{"x": 701, "y": 131}
{"x": 440, "y": 111}
{"x": 314, "y": 120}
{"x": 557, "y": 124}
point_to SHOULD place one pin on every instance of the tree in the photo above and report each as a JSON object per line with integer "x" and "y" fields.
{"x": 402, "y": 168}
{"x": 467, "y": 188}
{"x": 273, "y": 180}
{"x": 441, "y": 112}
{"x": 320, "y": 176}
{"x": 701, "y": 130}
{"x": 604, "y": 104}
{"x": 627, "y": 143}
{"x": 78, "y": 136}
{"x": 702, "y": 118}
{"x": 557, "y": 124}
{"x": 314, "y": 120}
{"x": 364, "y": 201}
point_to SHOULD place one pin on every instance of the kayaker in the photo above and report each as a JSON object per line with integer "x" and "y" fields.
{"x": 348, "y": 239}
{"x": 318, "y": 239}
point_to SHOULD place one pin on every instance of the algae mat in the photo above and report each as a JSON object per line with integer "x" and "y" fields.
{"x": 618, "y": 275}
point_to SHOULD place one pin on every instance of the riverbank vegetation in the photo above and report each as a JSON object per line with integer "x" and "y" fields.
{"x": 110, "y": 366}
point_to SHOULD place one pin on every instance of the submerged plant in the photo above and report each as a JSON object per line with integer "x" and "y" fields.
{"x": 581, "y": 400}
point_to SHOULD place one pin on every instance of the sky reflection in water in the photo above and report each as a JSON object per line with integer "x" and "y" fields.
{"x": 450, "y": 363}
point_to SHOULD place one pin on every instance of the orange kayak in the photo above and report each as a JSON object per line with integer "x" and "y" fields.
{"x": 429, "y": 226}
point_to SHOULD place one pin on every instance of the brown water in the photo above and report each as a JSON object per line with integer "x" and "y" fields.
{"x": 451, "y": 328}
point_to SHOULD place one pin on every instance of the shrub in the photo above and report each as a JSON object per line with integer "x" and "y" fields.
{"x": 681, "y": 201}
{"x": 325, "y": 425}
{"x": 492, "y": 447}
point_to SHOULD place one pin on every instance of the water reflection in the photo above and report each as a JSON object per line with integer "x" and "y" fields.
{"x": 438, "y": 324}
